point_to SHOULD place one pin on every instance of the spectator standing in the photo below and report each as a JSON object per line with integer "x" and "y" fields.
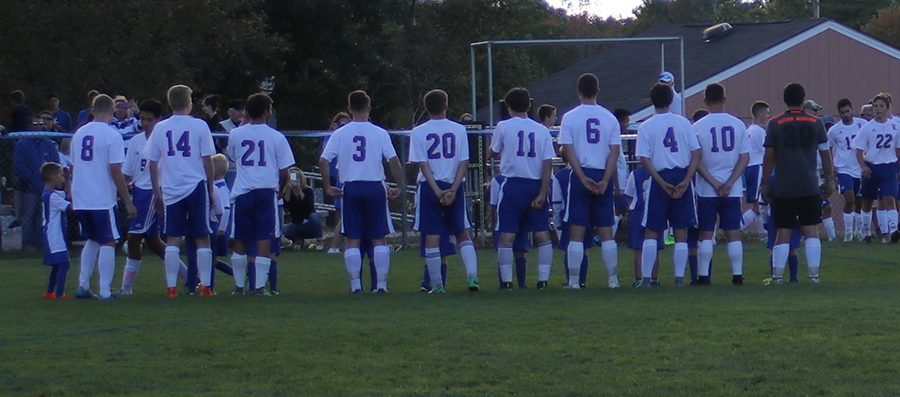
{"x": 84, "y": 116}
{"x": 62, "y": 118}
{"x": 668, "y": 79}
{"x": 235, "y": 115}
{"x": 123, "y": 120}
{"x": 20, "y": 115}
{"x": 28, "y": 157}
{"x": 211, "y": 113}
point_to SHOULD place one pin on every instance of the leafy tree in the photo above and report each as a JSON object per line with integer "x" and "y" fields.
{"x": 886, "y": 25}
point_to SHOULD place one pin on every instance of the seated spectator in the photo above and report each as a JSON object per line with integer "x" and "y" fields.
{"x": 84, "y": 116}
{"x": 28, "y": 157}
{"x": 235, "y": 115}
{"x": 299, "y": 203}
{"x": 20, "y": 115}
{"x": 123, "y": 119}
{"x": 62, "y": 119}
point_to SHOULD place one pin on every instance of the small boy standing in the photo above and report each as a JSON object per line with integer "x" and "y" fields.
{"x": 56, "y": 255}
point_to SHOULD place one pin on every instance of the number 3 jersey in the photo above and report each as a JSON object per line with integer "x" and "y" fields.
{"x": 442, "y": 144}
{"x": 259, "y": 153}
{"x": 95, "y": 147}
{"x": 523, "y": 145}
{"x": 179, "y": 144}
{"x": 360, "y": 148}
{"x": 135, "y": 165}
{"x": 667, "y": 140}
{"x": 723, "y": 138}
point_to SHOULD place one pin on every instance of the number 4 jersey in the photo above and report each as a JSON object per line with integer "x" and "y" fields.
{"x": 259, "y": 152}
{"x": 179, "y": 144}
{"x": 360, "y": 148}
{"x": 667, "y": 140}
{"x": 523, "y": 145}
{"x": 442, "y": 144}
{"x": 723, "y": 138}
{"x": 95, "y": 147}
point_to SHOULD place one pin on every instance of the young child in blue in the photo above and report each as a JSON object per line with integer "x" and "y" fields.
{"x": 56, "y": 207}
{"x": 636, "y": 194}
{"x": 559, "y": 193}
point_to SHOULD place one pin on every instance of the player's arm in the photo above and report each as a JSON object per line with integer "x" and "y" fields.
{"x": 768, "y": 164}
{"x": 736, "y": 174}
{"x": 429, "y": 178}
{"x": 708, "y": 176}
{"x": 611, "y": 167}
{"x": 283, "y": 176}
{"x": 541, "y": 198}
{"x": 210, "y": 180}
{"x": 588, "y": 183}
{"x": 325, "y": 169}
{"x": 115, "y": 170}
{"x": 828, "y": 170}
{"x": 682, "y": 187}
{"x": 460, "y": 175}
{"x": 394, "y": 165}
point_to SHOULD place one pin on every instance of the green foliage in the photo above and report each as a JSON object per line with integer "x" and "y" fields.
{"x": 886, "y": 25}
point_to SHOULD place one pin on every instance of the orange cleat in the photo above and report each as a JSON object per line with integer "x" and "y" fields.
{"x": 64, "y": 297}
{"x": 206, "y": 291}
{"x": 49, "y": 295}
{"x": 172, "y": 292}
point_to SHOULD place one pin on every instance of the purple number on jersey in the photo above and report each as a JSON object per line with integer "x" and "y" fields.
{"x": 360, "y": 154}
{"x": 883, "y": 141}
{"x": 531, "y": 141}
{"x": 87, "y": 148}
{"x": 669, "y": 141}
{"x": 251, "y": 148}
{"x": 727, "y": 134}
{"x": 449, "y": 146}
{"x": 183, "y": 145}
{"x": 593, "y": 133}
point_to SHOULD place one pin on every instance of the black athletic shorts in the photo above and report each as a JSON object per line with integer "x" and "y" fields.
{"x": 790, "y": 212}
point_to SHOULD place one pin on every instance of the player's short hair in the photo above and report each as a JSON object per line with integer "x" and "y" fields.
{"x": 358, "y": 101}
{"x": 236, "y": 104}
{"x": 17, "y": 96}
{"x": 794, "y": 94}
{"x": 258, "y": 104}
{"x": 212, "y": 101}
{"x": 338, "y": 116}
{"x": 757, "y": 107}
{"x": 151, "y": 106}
{"x": 884, "y": 97}
{"x": 220, "y": 165}
{"x": 435, "y": 102}
{"x": 621, "y": 114}
{"x": 102, "y": 103}
{"x": 699, "y": 114}
{"x": 545, "y": 111}
{"x": 714, "y": 94}
{"x": 588, "y": 85}
{"x": 661, "y": 95}
{"x": 48, "y": 170}
{"x": 518, "y": 100}
{"x": 844, "y": 102}
{"x": 179, "y": 97}
{"x": 91, "y": 94}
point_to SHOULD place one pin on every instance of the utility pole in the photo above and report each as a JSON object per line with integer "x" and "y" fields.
{"x": 816, "y": 11}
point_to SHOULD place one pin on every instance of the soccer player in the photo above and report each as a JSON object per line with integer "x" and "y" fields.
{"x": 877, "y": 154}
{"x": 222, "y": 221}
{"x": 636, "y": 189}
{"x": 725, "y": 153}
{"x": 440, "y": 148}
{"x": 757, "y": 134}
{"x": 793, "y": 141}
{"x": 98, "y": 153}
{"x": 360, "y": 148}
{"x": 590, "y": 137}
{"x": 263, "y": 157}
{"x": 559, "y": 193}
{"x": 526, "y": 152}
{"x": 670, "y": 153}
{"x": 621, "y": 202}
{"x": 56, "y": 255}
{"x": 840, "y": 138}
{"x": 181, "y": 174}
{"x": 520, "y": 245}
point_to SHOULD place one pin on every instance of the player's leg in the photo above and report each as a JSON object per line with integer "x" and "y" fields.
{"x": 784, "y": 214}
{"x": 602, "y": 215}
{"x": 89, "y": 255}
{"x": 577, "y": 217}
{"x": 176, "y": 228}
{"x": 193, "y": 274}
{"x": 430, "y": 223}
{"x": 845, "y": 185}
{"x": 275, "y": 252}
{"x": 433, "y": 262}
{"x": 107, "y": 235}
{"x": 510, "y": 211}
{"x": 457, "y": 217}
{"x": 707, "y": 214}
{"x": 198, "y": 218}
{"x": 827, "y": 220}
{"x": 378, "y": 224}
{"x": 730, "y": 222}
{"x": 132, "y": 262}
{"x": 751, "y": 195}
{"x": 51, "y": 282}
{"x": 62, "y": 271}
{"x": 888, "y": 202}
{"x": 868, "y": 193}
{"x": 682, "y": 214}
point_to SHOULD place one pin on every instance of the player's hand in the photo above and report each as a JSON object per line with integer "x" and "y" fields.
{"x": 668, "y": 188}
{"x": 393, "y": 193}
{"x": 617, "y": 193}
{"x": 333, "y": 191}
{"x": 765, "y": 191}
{"x": 725, "y": 189}
{"x": 440, "y": 194}
{"x": 680, "y": 189}
{"x": 866, "y": 172}
{"x": 158, "y": 204}
{"x": 827, "y": 188}
{"x": 539, "y": 201}
{"x": 212, "y": 200}
{"x": 129, "y": 208}
{"x": 449, "y": 197}
{"x": 601, "y": 188}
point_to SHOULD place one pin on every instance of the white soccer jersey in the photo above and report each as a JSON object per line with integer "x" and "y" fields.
{"x": 878, "y": 142}
{"x": 54, "y": 217}
{"x": 495, "y": 191}
{"x": 95, "y": 146}
{"x": 222, "y": 211}
{"x": 179, "y": 144}
{"x": 591, "y": 130}
{"x": 523, "y": 145}
{"x": 630, "y": 190}
{"x": 621, "y": 169}
{"x": 840, "y": 138}
{"x": 757, "y": 135}
{"x": 723, "y": 139}
{"x": 259, "y": 153}
{"x": 136, "y": 165}
{"x": 667, "y": 140}
{"x": 360, "y": 149}
{"x": 443, "y": 144}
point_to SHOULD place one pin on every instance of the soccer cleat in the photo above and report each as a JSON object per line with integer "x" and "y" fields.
{"x": 773, "y": 281}
{"x": 275, "y": 292}
{"x": 440, "y": 290}
{"x": 636, "y": 283}
{"x": 381, "y": 291}
{"x": 848, "y": 237}
{"x": 206, "y": 291}
{"x": 703, "y": 280}
{"x": 49, "y": 295}
{"x": 613, "y": 282}
{"x": 669, "y": 240}
{"x": 473, "y": 285}
{"x": 334, "y": 251}
{"x": 582, "y": 285}
{"x": 868, "y": 239}
{"x": 237, "y": 291}
{"x": 885, "y": 238}
{"x": 64, "y": 297}
{"x": 737, "y": 279}
{"x": 814, "y": 280}
{"x": 82, "y": 293}
{"x": 506, "y": 286}
{"x": 111, "y": 297}
{"x": 542, "y": 285}
{"x": 260, "y": 292}
{"x": 357, "y": 291}
{"x": 129, "y": 291}
{"x": 424, "y": 290}
{"x": 172, "y": 292}
{"x": 679, "y": 282}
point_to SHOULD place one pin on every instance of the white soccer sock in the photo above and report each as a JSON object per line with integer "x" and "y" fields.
{"x": 610, "y": 257}
{"x": 505, "y": 259}
{"x": 383, "y": 265}
{"x": 704, "y": 257}
{"x": 615, "y": 227}
{"x": 780, "y": 254}
{"x": 182, "y": 270}
{"x": 173, "y": 263}
{"x": 680, "y": 257}
{"x": 262, "y": 264}
{"x": 239, "y": 268}
{"x": 470, "y": 260}
{"x": 748, "y": 218}
{"x": 574, "y": 254}
{"x": 132, "y": 266}
{"x": 882, "y": 220}
{"x": 545, "y": 260}
{"x": 648, "y": 257}
{"x": 204, "y": 265}
{"x": 848, "y": 223}
{"x": 829, "y": 228}
{"x": 353, "y": 262}
{"x": 88, "y": 260}
{"x": 865, "y": 223}
{"x": 813, "y": 255}
{"x": 107, "y": 265}
{"x": 433, "y": 263}
{"x": 761, "y": 223}
{"x": 892, "y": 220}
{"x": 736, "y": 254}
{"x": 857, "y": 222}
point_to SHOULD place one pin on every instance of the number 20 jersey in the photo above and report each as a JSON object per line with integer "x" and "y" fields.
{"x": 360, "y": 148}
{"x": 442, "y": 144}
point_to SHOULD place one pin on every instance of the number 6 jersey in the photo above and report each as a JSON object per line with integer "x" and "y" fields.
{"x": 360, "y": 148}
{"x": 95, "y": 147}
{"x": 179, "y": 144}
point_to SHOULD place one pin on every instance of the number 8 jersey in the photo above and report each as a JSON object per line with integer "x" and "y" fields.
{"x": 723, "y": 138}
{"x": 179, "y": 144}
{"x": 523, "y": 145}
{"x": 360, "y": 148}
{"x": 95, "y": 147}
{"x": 667, "y": 140}
{"x": 442, "y": 144}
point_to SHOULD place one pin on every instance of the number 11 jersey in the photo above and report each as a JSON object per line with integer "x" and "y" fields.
{"x": 523, "y": 145}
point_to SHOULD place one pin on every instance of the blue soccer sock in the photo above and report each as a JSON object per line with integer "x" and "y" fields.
{"x": 793, "y": 265}
{"x": 426, "y": 278}
{"x": 582, "y": 275}
{"x": 251, "y": 273}
{"x": 692, "y": 265}
{"x": 273, "y": 275}
{"x": 51, "y": 281}
{"x": 62, "y": 271}
{"x": 521, "y": 271}
{"x": 444, "y": 272}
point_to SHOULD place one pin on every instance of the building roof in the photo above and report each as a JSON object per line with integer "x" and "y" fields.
{"x": 626, "y": 71}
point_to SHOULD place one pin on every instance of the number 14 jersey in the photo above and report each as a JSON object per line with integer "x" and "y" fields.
{"x": 179, "y": 144}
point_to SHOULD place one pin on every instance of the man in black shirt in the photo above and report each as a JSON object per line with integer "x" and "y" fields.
{"x": 793, "y": 140}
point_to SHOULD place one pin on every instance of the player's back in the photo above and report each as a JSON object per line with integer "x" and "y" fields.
{"x": 360, "y": 148}
{"x": 443, "y": 144}
{"x": 723, "y": 138}
{"x": 590, "y": 129}
{"x": 135, "y": 164}
{"x": 878, "y": 141}
{"x": 757, "y": 136}
{"x": 179, "y": 144}
{"x": 796, "y": 138}
{"x": 523, "y": 145}
{"x": 260, "y": 153}
{"x": 667, "y": 140}
{"x": 94, "y": 147}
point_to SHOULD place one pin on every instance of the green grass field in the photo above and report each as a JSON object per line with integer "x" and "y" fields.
{"x": 839, "y": 338}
